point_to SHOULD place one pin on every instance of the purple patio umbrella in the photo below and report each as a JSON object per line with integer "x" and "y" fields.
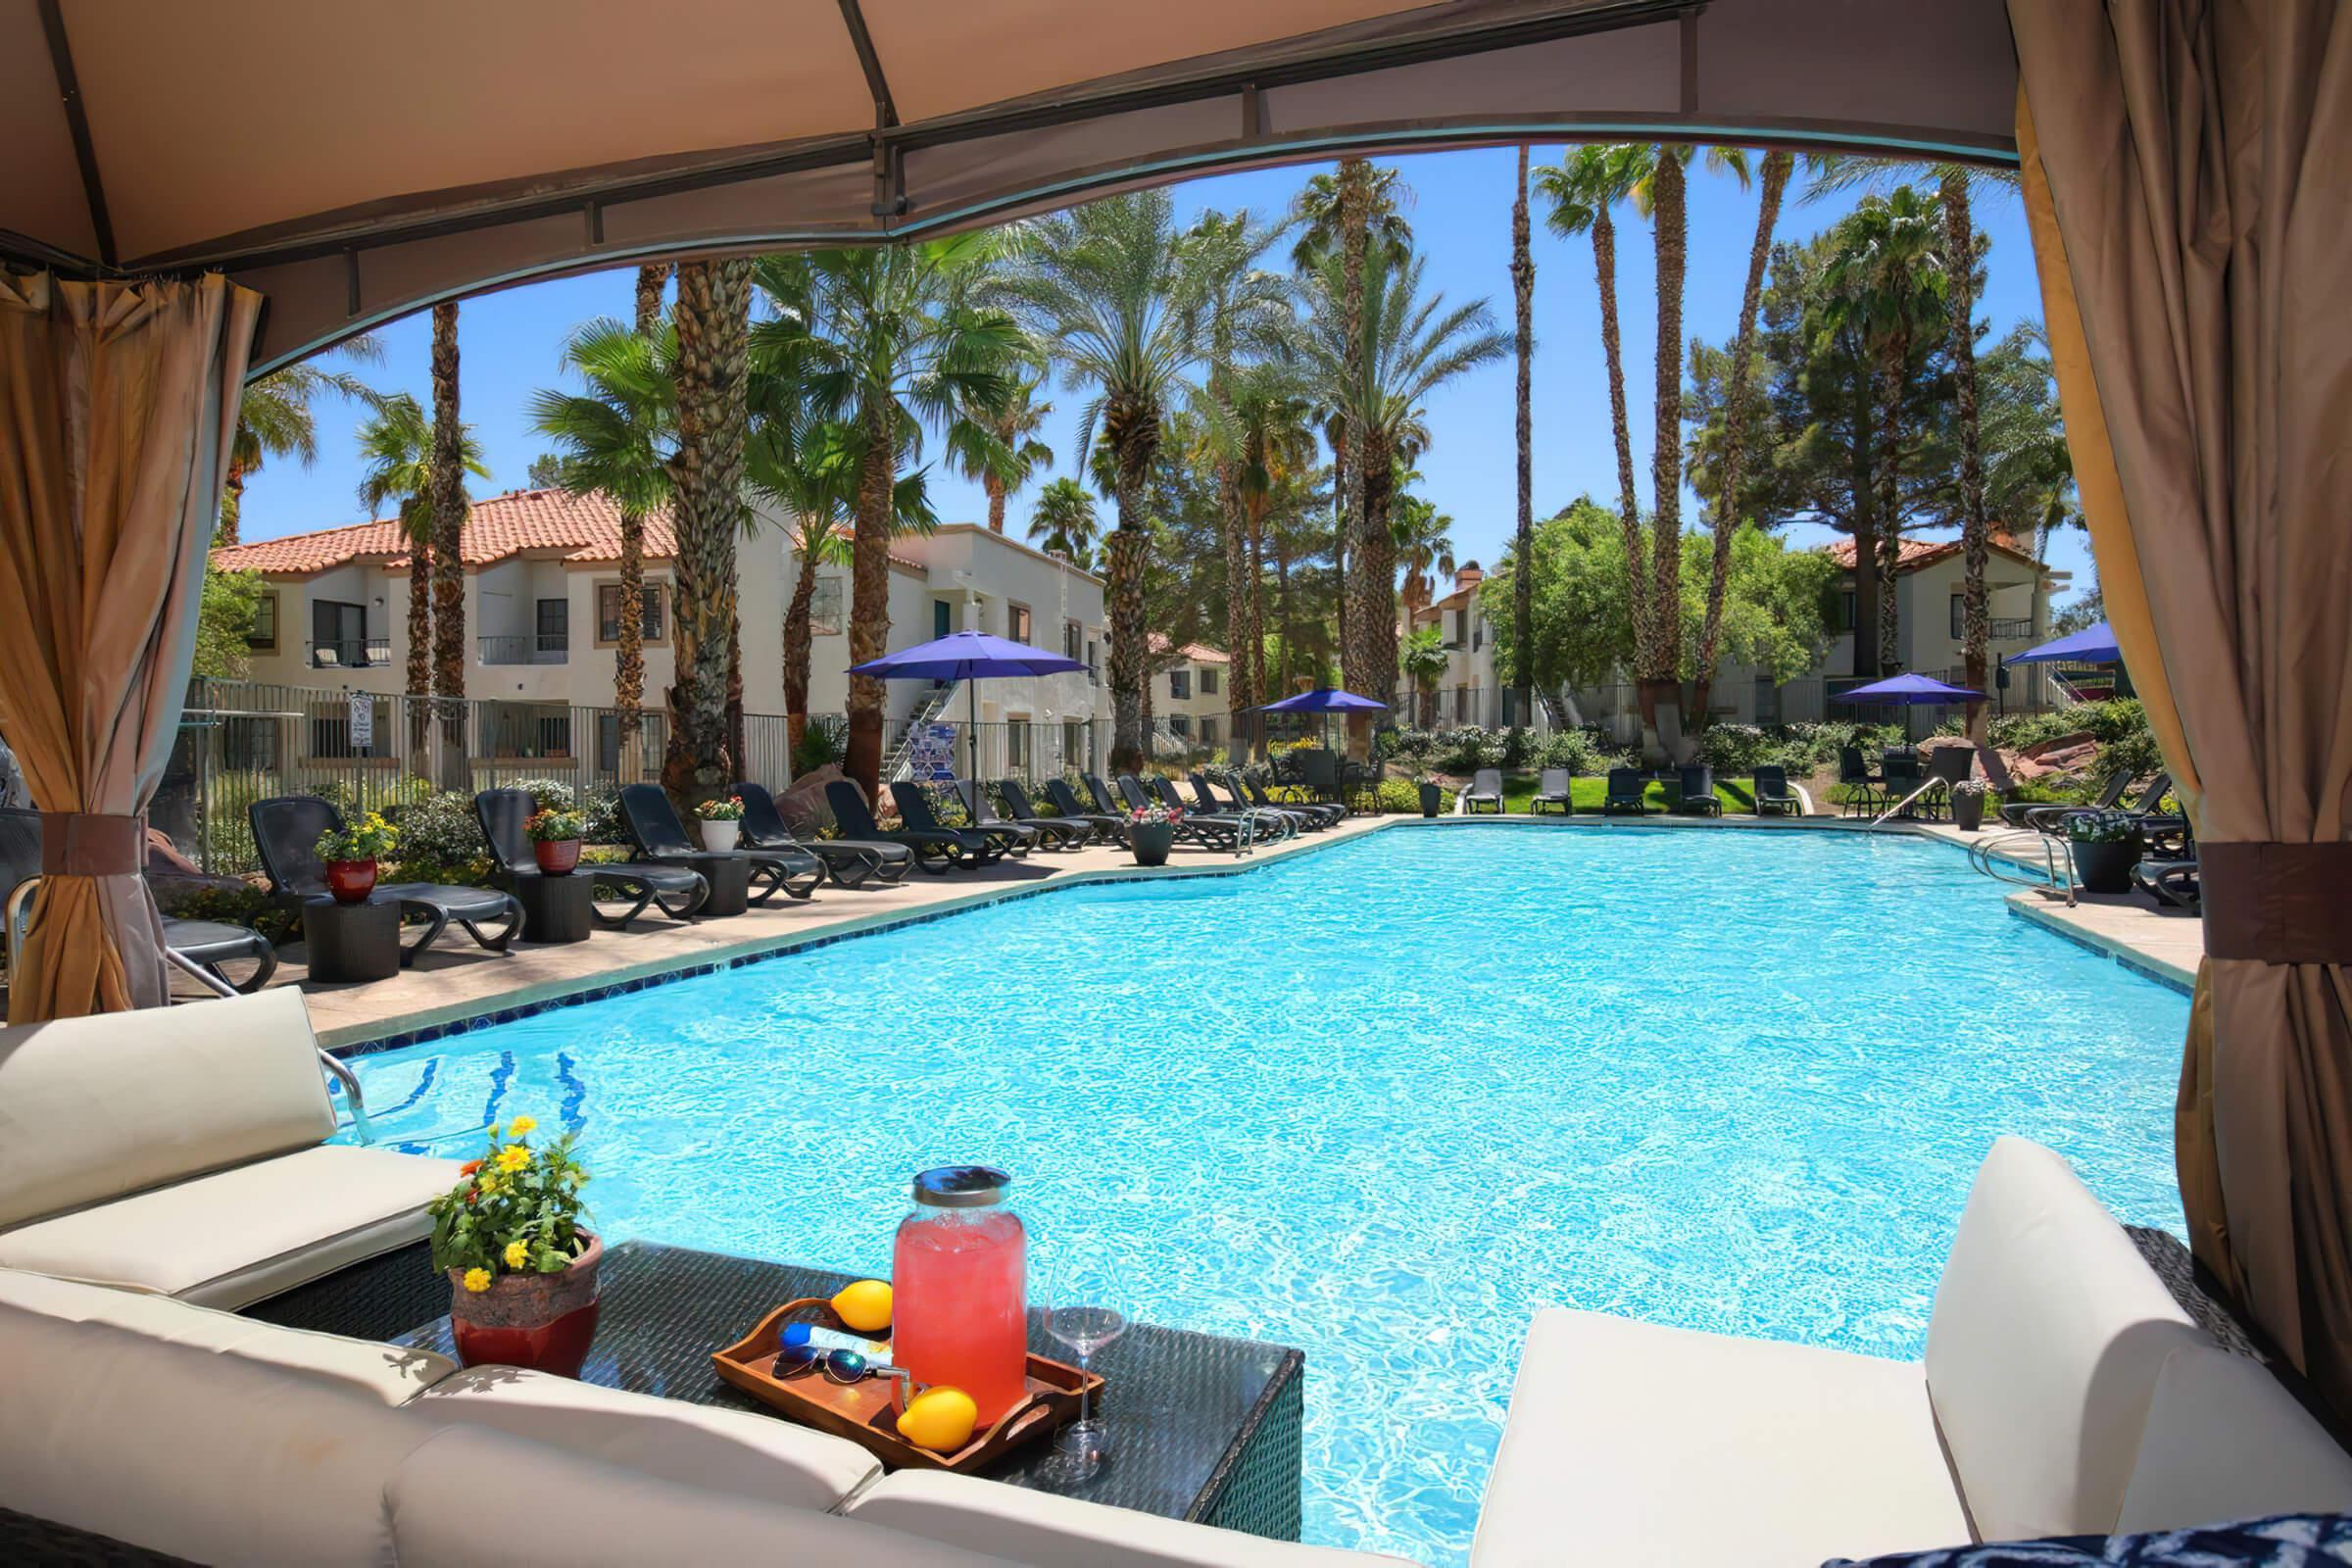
{"x": 969, "y": 657}
{"x": 2092, "y": 645}
{"x": 1324, "y": 700}
{"x": 1909, "y": 689}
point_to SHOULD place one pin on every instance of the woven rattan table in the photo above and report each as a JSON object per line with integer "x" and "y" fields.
{"x": 1202, "y": 1428}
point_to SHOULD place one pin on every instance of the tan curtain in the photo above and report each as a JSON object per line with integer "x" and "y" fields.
{"x": 2189, "y": 182}
{"x": 117, "y": 405}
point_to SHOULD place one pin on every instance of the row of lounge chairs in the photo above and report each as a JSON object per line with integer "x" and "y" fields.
{"x": 2168, "y": 874}
{"x": 1626, "y": 792}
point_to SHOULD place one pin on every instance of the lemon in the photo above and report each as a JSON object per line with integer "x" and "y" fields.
{"x": 940, "y": 1419}
{"x": 864, "y": 1305}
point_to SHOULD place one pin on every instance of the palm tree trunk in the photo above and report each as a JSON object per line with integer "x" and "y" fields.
{"x": 420, "y": 651}
{"x": 1661, "y": 660}
{"x": 628, "y": 650}
{"x": 448, "y": 556}
{"x": 995, "y": 502}
{"x": 800, "y": 641}
{"x": 1629, "y": 503}
{"x": 651, "y": 280}
{"x": 1863, "y": 478}
{"x": 1282, "y": 615}
{"x": 738, "y": 753}
{"x": 1356, "y": 212}
{"x": 1523, "y": 587}
{"x": 1254, "y": 633}
{"x": 1237, "y": 701}
{"x": 1734, "y": 425}
{"x": 1894, "y": 357}
{"x": 1975, "y": 628}
{"x": 1379, "y": 655}
{"x": 233, "y": 505}
{"x": 1130, "y": 676}
{"x": 713, "y": 319}
{"x": 869, "y": 602}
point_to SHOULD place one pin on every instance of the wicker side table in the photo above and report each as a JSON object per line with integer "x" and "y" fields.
{"x": 346, "y": 942}
{"x": 556, "y": 908}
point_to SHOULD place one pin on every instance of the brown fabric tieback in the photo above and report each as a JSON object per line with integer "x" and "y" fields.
{"x": 2276, "y": 903}
{"x": 88, "y": 844}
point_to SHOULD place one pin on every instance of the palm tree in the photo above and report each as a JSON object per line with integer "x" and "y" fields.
{"x": 1887, "y": 281}
{"x": 711, "y": 323}
{"x": 1018, "y": 453}
{"x": 619, "y": 436}
{"x": 1118, "y": 292}
{"x": 1063, "y": 524}
{"x": 1424, "y": 659}
{"x": 1424, "y": 546}
{"x": 1316, "y": 214}
{"x": 449, "y": 564}
{"x": 276, "y": 419}
{"x": 650, "y": 281}
{"x": 396, "y": 446}
{"x": 888, "y": 341}
{"x": 1735, "y": 419}
{"x": 1523, "y": 294}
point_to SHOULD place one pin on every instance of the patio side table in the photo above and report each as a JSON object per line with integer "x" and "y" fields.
{"x": 730, "y": 879}
{"x": 350, "y": 941}
{"x": 556, "y": 908}
{"x": 1201, "y": 1427}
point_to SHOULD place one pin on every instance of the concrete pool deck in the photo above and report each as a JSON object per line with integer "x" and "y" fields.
{"x": 455, "y": 980}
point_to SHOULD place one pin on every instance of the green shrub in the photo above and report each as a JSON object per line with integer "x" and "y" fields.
{"x": 1586, "y": 752}
{"x": 602, "y": 808}
{"x": 1404, "y": 795}
{"x": 548, "y": 794}
{"x": 819, "y": 748}
{"x": 439, "y": 831}
{"x": 1735, "y": 749}
{"x": 188, "y": 900}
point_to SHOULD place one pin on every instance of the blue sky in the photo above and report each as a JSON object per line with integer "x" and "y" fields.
{"x": 1461, "y": 213}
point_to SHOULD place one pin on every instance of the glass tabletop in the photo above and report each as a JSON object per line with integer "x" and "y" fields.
{"x": 1185, "y": 1409}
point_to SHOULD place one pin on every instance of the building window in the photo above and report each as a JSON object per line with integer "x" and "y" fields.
{"x": 1180, "y": 685}
{"x": 1208, "y": 681}
{"x": 824, "y": 609}
{"x": 553, "y": 625}
{"x": 1073, "y": 641}
{"x": 652, "y": 623}
{"x": 1208, "y": 732}
{"x": 1959, "y": 617}
{"x": 943, "y": 618}
{"x": 1478, "y": 634}
{"x": 1180, "y": 726}
{"x": 262, "y": 636}
{"x": 1094, "y": 665}
{"x": 1016, "y": 623}
{"x": 1073, "y": 745}
{"x": 1461, "y": 629}
{"x": 1017, "y": 745}
{"x": 1846, "y": 612}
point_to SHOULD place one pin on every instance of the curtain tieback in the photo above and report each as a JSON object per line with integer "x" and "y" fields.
{"x": 2276, "y": 903}
{"x": 90, "y": 844}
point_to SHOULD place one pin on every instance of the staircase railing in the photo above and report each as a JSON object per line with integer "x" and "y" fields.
{"x": 898, "y": 764}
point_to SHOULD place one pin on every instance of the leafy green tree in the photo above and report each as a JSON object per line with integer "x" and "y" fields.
{"x": 224, "y": 622}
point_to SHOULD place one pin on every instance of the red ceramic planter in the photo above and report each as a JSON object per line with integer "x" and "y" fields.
{"x": 541, "y": 1322}
{"x": 351, "y": 881}
{"x": 557, "y": 859}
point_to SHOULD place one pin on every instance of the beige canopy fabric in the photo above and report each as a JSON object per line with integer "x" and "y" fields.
{"x": 117, "y": 406}
{"x": 357, "y": 181}
{"x": 2198, "y": 167}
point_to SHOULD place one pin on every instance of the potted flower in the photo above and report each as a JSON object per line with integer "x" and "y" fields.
{"x": 722, "y": 822}
{"x": 1152, "y": 833}
{"x": 351, "y": 850}
{"x": 1968, "y": 804}
{"x": 556, "y": 840}
{"x": 522, "y": 1271}
{"x": 2106, "y": 845}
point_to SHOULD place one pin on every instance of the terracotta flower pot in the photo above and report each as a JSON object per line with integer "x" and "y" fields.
{"x": 720, "y": 837}
{"x": 557, "y": 856}
{"x": 542, "y": 1322}
{"x": 351, "y": 881}
{"x": 1152, "y": 841}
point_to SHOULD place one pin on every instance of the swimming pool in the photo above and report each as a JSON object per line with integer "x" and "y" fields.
{"x": 1383, "y": 1099}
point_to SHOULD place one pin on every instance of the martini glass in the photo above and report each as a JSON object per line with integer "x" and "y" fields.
{"x": 1081, "y": 1314}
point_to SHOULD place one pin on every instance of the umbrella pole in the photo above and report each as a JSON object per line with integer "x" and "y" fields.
{"x": 971, "y": 749}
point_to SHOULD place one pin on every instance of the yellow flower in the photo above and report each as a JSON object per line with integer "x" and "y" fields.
{"x": 514, "y": 1157}
{"x": 522, "y": 1125}
{"x": 477, "y": 1279}
{"x": 489, "y": 1186}
{"x": 517, "y": 1254}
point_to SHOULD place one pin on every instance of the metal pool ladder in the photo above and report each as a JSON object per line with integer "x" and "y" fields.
{"x": 2057, "y": 862}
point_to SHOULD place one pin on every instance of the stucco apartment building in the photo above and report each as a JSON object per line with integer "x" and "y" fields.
{"x": 542, "y": 600}
{"x": 1188, "y": 698}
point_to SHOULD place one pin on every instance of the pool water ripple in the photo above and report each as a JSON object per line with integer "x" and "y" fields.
{"x": 1387, "y": 1100}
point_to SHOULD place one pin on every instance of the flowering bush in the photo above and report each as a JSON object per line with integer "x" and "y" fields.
{"x": 371, "y": 838}
{"x": 516, "y": 1210}
{"x": 1971, "y": 788}
{"x": 554, "y": 826}
{"x": 1151, "y": 816}
{"x": 2103, "y": 827}
{"x": 726, "y": 809}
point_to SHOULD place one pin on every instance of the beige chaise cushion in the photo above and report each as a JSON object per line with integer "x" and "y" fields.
{"x": 2224, "y": 1440}
{"x": 477, "y": 1499}
{"x": 695, "y": 1444}
{"x": 1633, "y": 1444}
{"x": 215, "y": 1459}
{"x": 1053, "y": 1532}
{"x": 384, "y": 1373}
{"x": 91, "y": 1108}
{"x": 241, "y": 1236}
{"x": 2042, "y": 1354}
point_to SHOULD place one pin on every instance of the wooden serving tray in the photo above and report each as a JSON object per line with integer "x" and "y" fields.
{"x": 865, "y": 1411}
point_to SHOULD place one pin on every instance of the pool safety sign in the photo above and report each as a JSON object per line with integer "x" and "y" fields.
{"x": 362, "y": 720}
{"x": 933, "y": 754}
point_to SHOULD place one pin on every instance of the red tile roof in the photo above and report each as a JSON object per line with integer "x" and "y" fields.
{"x": 1914, "y": 553}
{"x": 1198, "y": 653}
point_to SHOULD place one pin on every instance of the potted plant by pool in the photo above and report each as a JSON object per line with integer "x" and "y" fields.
{"x": 1432, "y": 795}
{"x": 522, "y": 1271}
{"x": 722, "y": 822}
{"x": 1152, "y": 833}
{"x": 1968, "y": 804}
{"x": 2106, "y": 845}
{"x": 556, "y": 840}
{"x": 349, "y": 854}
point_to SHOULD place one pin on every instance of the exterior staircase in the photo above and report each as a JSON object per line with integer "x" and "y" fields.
{"x": 897, "y": 764}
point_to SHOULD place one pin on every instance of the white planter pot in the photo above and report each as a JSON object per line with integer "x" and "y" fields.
{"x": 720, "y": 837}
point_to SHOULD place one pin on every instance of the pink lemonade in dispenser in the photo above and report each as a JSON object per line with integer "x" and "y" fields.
{"x": 959, "y": 1288}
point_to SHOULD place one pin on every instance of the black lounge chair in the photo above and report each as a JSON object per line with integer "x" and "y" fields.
{"x": 850, "y": 862}
{"x": 1210, "y": 822}
{"x": 286, "y": 830}
{"x": 980, "y": 814}
{"x": 1221, "y": 834}
{"x": 1864, "y": 789}
{"x": 1326, "y": 814}
{"x": 1299, "y": 818}
{"x": 1627, "y": 791}
{"x": 937, "y": 852}
{"x": 654, "y": 826}
{"x": 674, "y": 890}
{"x": 2022, "y": 813}
{"x": 1263, "y": 823}
{"x": 1694, "y": 791}
{"x": 1108, "y": 824}
{"x": 2053, "y": 818}
{"x": 1555, "y": 789}
{"x": 915, "y": 809}
{"x": 1485, "y": 790}
{"x": 2172, "y": 882}
{"x": 1075, "y": 831}
{"x": 1105, "y": 798}
{"x": 1773, "y": 794}
{"x": 205, "y": 948}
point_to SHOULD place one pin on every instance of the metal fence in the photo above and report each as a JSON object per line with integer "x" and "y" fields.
{"x": 1617, "y": 708}
{"x": 244, "y": 741}
{"x": 940, "y": 747}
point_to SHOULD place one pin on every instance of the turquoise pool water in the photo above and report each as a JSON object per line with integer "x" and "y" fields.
{"x": 1384, "y": 1100}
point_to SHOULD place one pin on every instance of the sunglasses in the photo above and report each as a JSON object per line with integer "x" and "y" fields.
{"x": 795, "y": 1354}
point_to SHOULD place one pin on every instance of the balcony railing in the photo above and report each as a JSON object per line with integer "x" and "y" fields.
{"x": 2011, "y": 628}
{"x": 545, "y": 648}
{"x": 355, "y": 652}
